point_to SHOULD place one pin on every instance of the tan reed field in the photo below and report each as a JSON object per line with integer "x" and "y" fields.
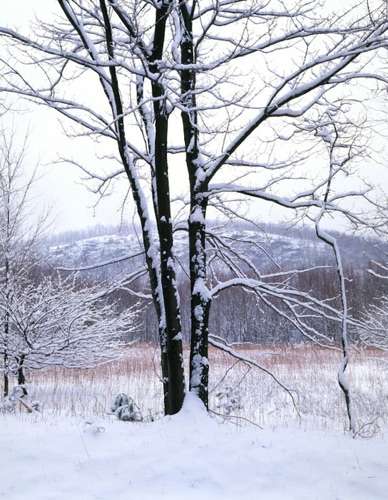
{"x": 238, "y": 392}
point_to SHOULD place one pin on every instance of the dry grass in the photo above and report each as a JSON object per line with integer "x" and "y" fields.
{"x": 253, "y": 395}
{"x": 312, "y": 373}
{"x": 89, "y": 392}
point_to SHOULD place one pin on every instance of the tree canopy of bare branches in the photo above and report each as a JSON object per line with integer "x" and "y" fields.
{"x": 45, "y": 319}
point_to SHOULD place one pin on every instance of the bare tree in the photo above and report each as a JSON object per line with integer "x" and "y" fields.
{"x": 19, "y": 234}
{"x": 62, "y": 322}
{"x": 340, "y": 140}
{"x": 241, "y": 77}
{"x": 45, "y": 320}
{"x": 373, "y": 331}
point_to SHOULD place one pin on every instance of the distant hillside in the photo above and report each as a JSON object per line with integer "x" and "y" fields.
{"x": 92, "y": 250}
{"x": 274, "y": 245}
{"x": 236, "y": 315}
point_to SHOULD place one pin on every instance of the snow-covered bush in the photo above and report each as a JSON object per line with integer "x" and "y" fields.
{"x": 125, "y": 408}
{"x": 129, "y": 413}
{"x": 36, "y": 406}
{"x": 118, "y": 400}
{"x": 17, "y": 395}
{"x": 228, "y": 400}
{"x": 8, "y": 405}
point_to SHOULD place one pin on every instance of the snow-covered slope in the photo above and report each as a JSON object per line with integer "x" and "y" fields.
{"x": 288, "y": 249}
{"x": 93, "y": 250}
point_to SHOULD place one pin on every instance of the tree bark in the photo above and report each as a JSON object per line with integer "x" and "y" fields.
{"x": 21, "y": 374}
{"x": 200, "y": 304}
{"x": 5, "y": 378}
{"x": 175, "y": 365}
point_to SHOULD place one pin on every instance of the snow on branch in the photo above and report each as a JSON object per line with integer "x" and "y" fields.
{"x": 104, "y": 263}
{"x": 221, "y": 344}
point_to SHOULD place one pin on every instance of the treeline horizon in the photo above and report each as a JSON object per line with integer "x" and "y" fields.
{"x": 237, "y": 314}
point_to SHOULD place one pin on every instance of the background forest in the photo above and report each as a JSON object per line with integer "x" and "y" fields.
{"x": 238, "y": 315}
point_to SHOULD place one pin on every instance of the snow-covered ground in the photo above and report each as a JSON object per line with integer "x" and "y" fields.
{"x": 187, "y": 456}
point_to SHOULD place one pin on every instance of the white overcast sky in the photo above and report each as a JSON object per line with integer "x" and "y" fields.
{"x": 59, "y": 185}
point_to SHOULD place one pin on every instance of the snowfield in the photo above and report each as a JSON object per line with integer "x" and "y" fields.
{"x": 186, "y": 456}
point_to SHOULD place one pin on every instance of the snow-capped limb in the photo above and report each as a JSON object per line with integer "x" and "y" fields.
{"x": 221, "y": 344}
{"x": 297, "y": 307}
{"x": 301, "y": 310}
{"x": 338, "y": 133}
{"x": 108, "y": 262}
{"x": 304, "y": 199}
{"x": 381, "y": 267}
{"x": 332, "y": 63}
{"x": 373, "y": 330}
{"x": 122, "y": 283}
{"x": 378, "y": 275}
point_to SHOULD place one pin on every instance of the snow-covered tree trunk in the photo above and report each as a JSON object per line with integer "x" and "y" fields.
{"x": 5, "y": 196}
{"x": 162, "y": 201}
{"x": 340, "y": 153}
{"x": 200, "y": 300}
{"x": 21, "y": 376}
{"x": 160, "y": 261}
{"x": 342, "y": 380}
